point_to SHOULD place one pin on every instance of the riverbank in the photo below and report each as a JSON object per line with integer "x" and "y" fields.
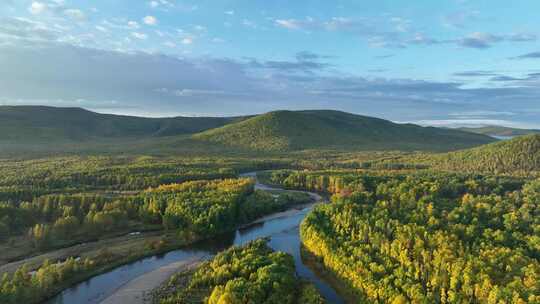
{"x": 138, "y": 291}
{"x": 132, "y": 254}
{"x": 134, "y": 290}
{"x": 316, "y": 265}
{"x": 117, "y": 245}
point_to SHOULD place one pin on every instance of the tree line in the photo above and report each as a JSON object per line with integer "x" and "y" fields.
{"x": 23, "y": 180}
{"x": 25, "y": 286}
{"x": 202, "y": 208}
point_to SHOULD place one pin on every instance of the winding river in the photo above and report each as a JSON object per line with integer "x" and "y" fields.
{"x": 282, "y": 229}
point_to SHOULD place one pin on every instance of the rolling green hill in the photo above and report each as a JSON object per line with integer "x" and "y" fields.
{"x": 39, "y": 129}
{"x": 30, "y": 124}
{"x": 520, "y": 155}
{"x": 500, "y": 131}
{"x": 301, "y": 130}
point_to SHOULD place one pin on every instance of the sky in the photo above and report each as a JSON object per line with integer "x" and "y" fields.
{"x": 441, "y": 63}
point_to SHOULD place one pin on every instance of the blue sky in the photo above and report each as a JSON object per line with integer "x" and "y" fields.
{"x": 442, "y": 62}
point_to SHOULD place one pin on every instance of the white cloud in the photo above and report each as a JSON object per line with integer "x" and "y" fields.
{"x": 138, "y": 35}
{"x": 199, "y": 28}
{"x": 460, "y": 18}
{"x": 74, "y": 14}
{"x": 201, "y": 80}
{"x": 169, "y": 44}
{"x": 479, "y": 40}
{"x": 101, "y": 28}
{"x": 187, "y": 40}
{"x": 248, "y": 23}
{"x": 289, "y": 23}
{"x": 458, "y": 123}
{"x": 37, "y": 8}
{"x": 161, "y": 3}
{"x": 229, "y": 13}
{"x": 309, "y": 23}
{"x": 150, "y": 20}
{"x": 22, "y": 29}
{"x": 133, "y": 24}
{"x": 187, "y": 8}
{"x": 192, "y": 92}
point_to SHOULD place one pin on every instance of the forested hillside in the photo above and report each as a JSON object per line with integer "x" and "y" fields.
{"x": 520, "y": 155}
{"x": 300, "y": 130}
{"x": 36, "y": 130}
{"x": 27, "y": 124}
{"x": 501, "y": 131}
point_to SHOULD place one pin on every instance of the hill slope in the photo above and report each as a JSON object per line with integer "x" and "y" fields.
{"x": 500, "y": 131}
{"x": 520, "y": 155}
{"x": 300, "y": 130}
{"x": 43, "y": 124}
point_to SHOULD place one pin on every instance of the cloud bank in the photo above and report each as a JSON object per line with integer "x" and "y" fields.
{"x": 141, "y": 83}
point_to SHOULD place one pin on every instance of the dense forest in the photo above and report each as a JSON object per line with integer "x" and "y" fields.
{"x": 518, "y": 156}
{"x": 25, "y": 179}
{"x": 426, "y": 237}
{"x": 249, "y": 274}
{"x": 339, "y": 180}
{"x": 25, "y": 286}
{"x": 60, "y": 216}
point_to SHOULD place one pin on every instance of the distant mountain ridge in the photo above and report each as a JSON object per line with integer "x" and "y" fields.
{"x": 500, "y": 131}
{"x": 278, "y": 131}
{"x": 41, "y": 123}
{"x": 315, "y": 129}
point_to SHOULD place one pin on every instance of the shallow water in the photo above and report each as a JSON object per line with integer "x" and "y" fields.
{"x": 282, "y": 231}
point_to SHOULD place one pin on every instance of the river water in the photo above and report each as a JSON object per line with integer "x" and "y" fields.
{"x": 284, "y": 236}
